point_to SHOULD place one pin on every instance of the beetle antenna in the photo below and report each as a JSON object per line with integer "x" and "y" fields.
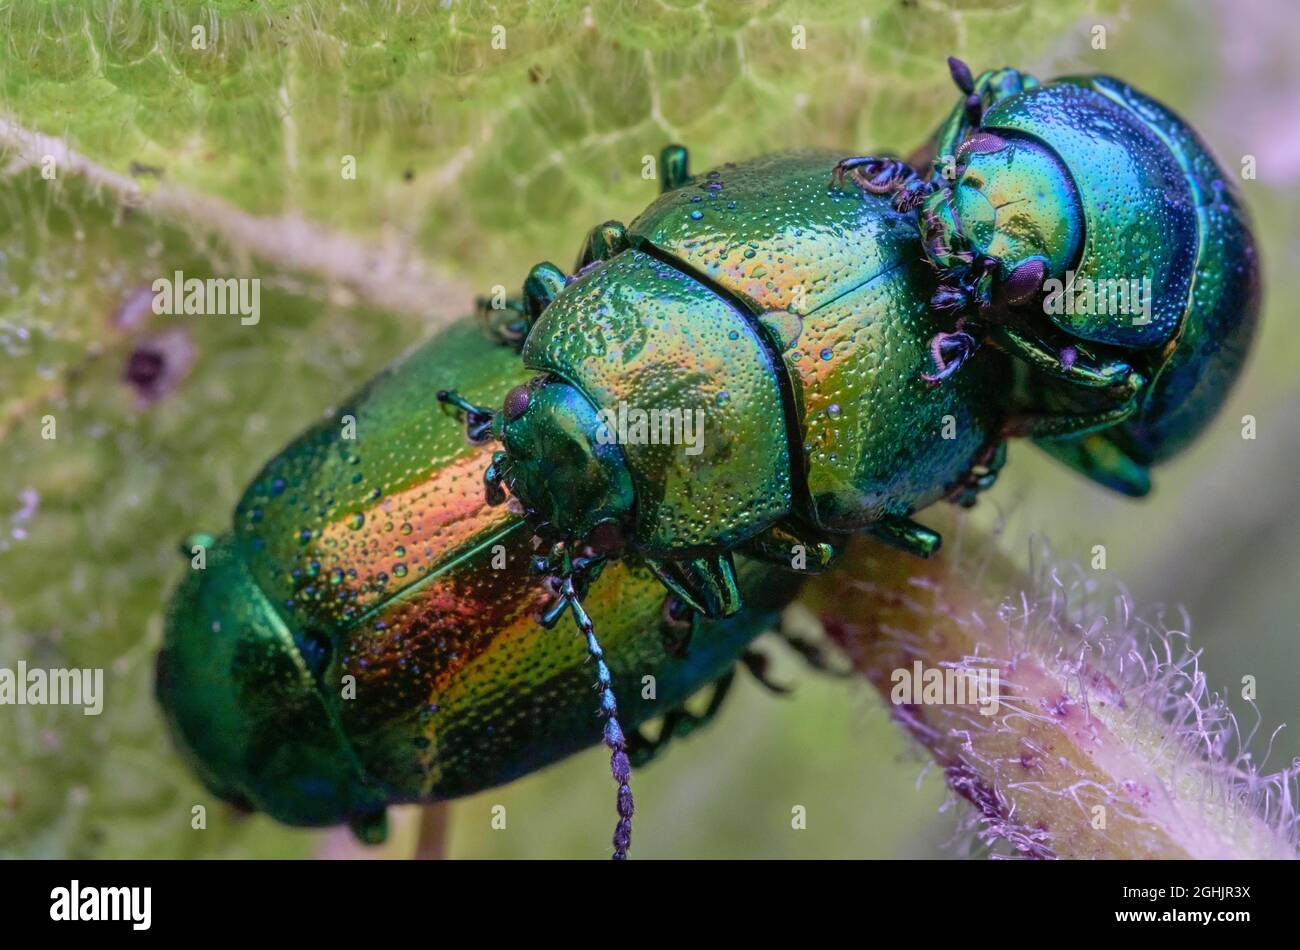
{"x": 619, "y": 766}
{"x": 961, "y": 75}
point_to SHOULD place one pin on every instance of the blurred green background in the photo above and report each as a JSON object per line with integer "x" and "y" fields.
{"x": 473, "y": 163}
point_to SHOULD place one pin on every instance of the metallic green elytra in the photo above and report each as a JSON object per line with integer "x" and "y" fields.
{"x": 773, "y": 355}
{"x": 369, "y": 633}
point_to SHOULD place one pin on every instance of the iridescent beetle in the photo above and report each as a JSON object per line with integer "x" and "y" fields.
{"x": 827, "y": 341}
{"x": 369, "y": 633}
{"x": 790, "y": 318}
{"x": 1089, "y": 184}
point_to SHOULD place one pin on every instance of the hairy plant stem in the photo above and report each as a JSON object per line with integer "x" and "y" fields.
{"x": 1104, "y": 741}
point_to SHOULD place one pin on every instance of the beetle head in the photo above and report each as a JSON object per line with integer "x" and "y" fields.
{"x": 561, "y": 461}
{"x": 1008, "y": 219}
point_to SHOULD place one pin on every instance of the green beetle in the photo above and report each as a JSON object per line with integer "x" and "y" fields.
{"x": 796, "y": 325}
{"x": 742, "y": 370}
{"x": 368, "y": 633}
{"x": 769, "y": 336}
{"x": 1084, "y": 228}
{"x": 760, "y": 364}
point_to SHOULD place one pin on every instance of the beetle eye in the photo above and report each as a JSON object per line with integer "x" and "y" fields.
{"x": 517, "y": 402}
{"x": 980, "y": 143}
{"x": 1025, "y": 281}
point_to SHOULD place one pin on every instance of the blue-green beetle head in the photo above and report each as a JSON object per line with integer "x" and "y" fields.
{"x": 1009, "y": 220}
{"x": 1073, "y": 196}
{"x": 561, "y": 461}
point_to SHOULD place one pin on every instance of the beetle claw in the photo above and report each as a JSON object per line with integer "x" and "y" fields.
{"x": 478, "y": 420}
{"x": 493, "y": 476}
{"x": 949, "y": 351}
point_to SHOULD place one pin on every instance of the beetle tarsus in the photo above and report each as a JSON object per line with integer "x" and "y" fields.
{"x": 949, "y": 351}
{"x": 757, "y": 663}
{"x": 504, "y": 320}
{"x": 813, "y": 653}
{"x": 678, "y": 723}
{"x": 478, "y": 420}
{"x": 885, "y": 176}
{"x": 982, "y": 476}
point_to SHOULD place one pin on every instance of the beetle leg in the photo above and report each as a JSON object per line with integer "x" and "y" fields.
{"x": 603, "y": 242}
{"x": 505, "y": 321}
{"x": 810, "y": 651}
{"x": 674, "y": 166}
{"x": 478, "y": 420}
{"x": 885, "y": 176}
{"x": 1125, "y": 384}
{"x": 982, "y": 475}
{"x": 370, "y": 827}
{"x": 1098, "y": 457}
{"x": 873, "y": 173}
{"x": 542, "y": 285}
{"x": 756, "y": 663}
{"x": 1070, "y": 425}
{"x": 708, "y": 584}
{"x": 796, "y": 546}
{"x": 678, "y": 723}
{"x": 814, "y": 655}
{"x": 906, "y": 535}
{"x": 949, "y": 351}
{"x": 1067, "y": 363}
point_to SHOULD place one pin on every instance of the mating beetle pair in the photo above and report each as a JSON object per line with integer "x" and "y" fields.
{"x": 858, "y": 337}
